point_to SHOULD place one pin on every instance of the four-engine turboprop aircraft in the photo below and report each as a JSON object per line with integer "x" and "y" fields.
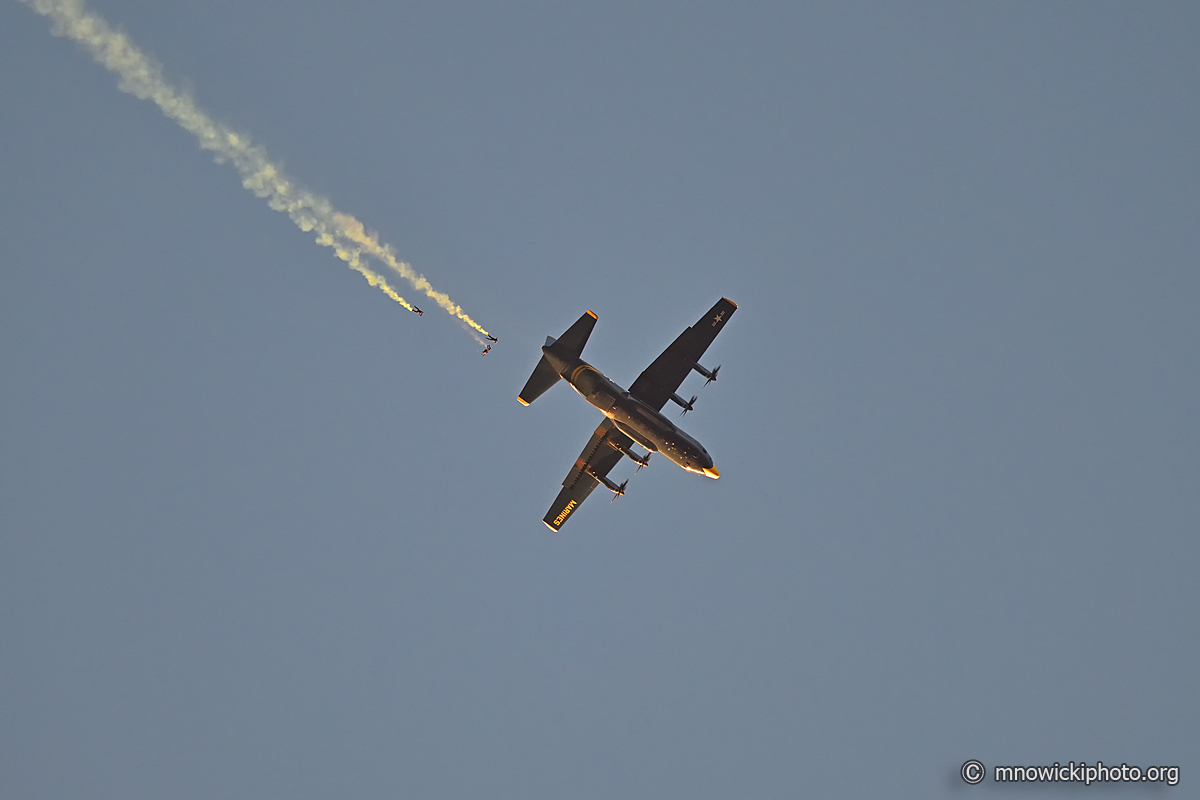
{"x": 629, "y": 416}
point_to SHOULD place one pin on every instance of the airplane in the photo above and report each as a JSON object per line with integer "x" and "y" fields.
{"x": 633, "y": 416}
{"x": 491, "y": 339}
{"x": 418, "y": 311}
{"x": 486, "y": 350}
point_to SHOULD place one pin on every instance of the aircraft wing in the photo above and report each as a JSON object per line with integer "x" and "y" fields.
{"x": 662, "y": 378}
{"x": 598, "y": 456}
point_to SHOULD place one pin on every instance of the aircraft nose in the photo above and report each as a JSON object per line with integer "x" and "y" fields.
{"x": 712, "y": 472}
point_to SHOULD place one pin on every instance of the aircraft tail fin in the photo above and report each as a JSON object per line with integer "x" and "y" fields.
{"x": 544, "y": 376}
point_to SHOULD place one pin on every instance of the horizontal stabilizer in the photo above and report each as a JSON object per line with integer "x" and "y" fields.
{"x": 544, "y": 376}
{"x": 570, "y": 344}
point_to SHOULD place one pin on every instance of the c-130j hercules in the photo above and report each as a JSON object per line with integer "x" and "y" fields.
{"x": 629, "y": 416}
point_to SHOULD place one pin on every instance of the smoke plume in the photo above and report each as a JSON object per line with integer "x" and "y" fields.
{"x": 141, "y": 76}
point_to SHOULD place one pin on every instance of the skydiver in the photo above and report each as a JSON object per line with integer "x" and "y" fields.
{"x": 486, "y": 350}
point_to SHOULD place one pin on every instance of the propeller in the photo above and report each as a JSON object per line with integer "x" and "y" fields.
{"x": 644, "y": 461}
{"x": 712, "y": 376}
{"x": 620, "y": 490}
{"x": 688, "y": 406}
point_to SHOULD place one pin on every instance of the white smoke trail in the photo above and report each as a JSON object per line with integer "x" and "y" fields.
{"x": 142, "y": 77}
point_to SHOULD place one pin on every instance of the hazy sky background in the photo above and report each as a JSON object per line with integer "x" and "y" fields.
{"x": 265, "y": 534}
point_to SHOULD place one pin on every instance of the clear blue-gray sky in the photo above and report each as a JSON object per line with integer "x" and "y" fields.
{"x": 265, "y": 534}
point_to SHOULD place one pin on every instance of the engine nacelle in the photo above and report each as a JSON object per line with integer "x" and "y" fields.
{"x": 641, "y": 461}
{"x": 616, "y": 489}
{"x": 686, "y": 405}
{"x": 711, "y": 376}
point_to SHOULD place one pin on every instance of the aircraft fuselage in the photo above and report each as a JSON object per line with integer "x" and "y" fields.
{"x": 645, "y": 425}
